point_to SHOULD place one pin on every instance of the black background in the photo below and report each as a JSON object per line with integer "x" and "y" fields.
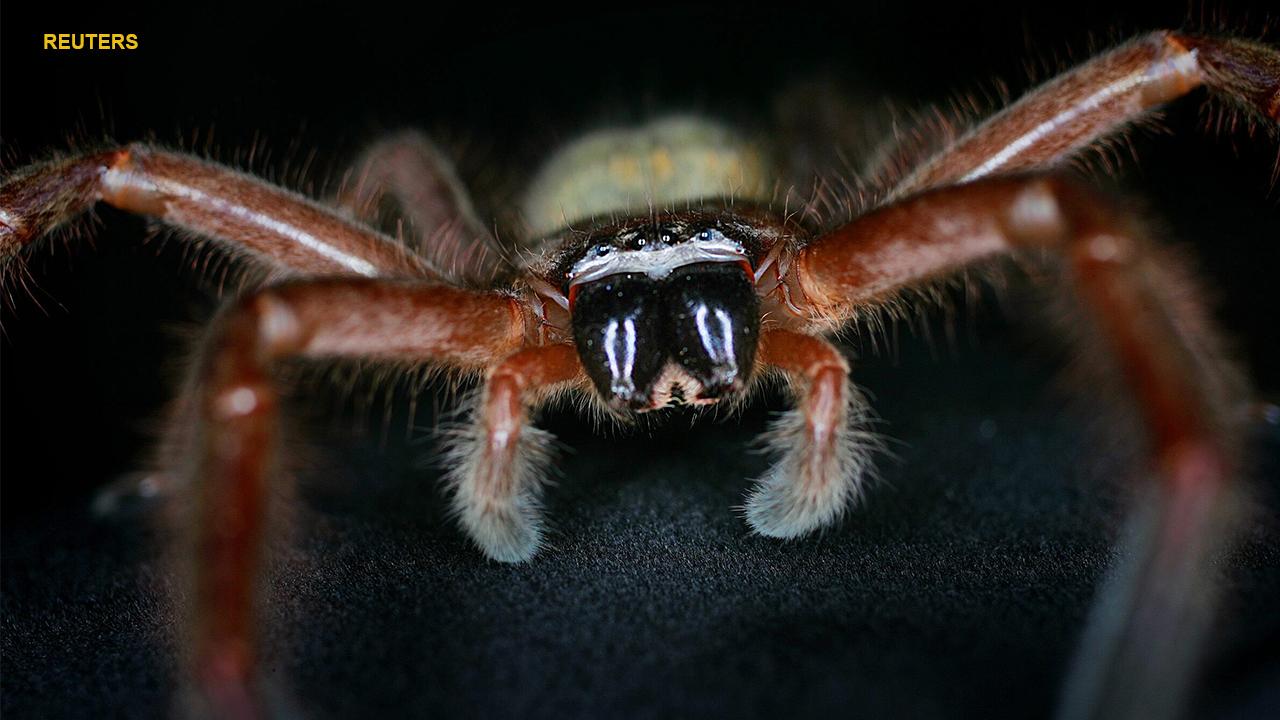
{"x": 958, "y": 589}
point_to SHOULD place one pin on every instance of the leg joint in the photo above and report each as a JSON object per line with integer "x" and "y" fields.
{"x": 1071, "y": 217}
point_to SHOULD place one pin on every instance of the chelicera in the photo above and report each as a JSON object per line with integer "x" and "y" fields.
{"x": 656, "y": 267}
{"x": 667, "y": 311}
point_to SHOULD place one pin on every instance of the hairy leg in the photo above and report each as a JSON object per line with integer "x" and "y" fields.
{"x": 1101, "y": 97}
{"x": 443, "y": 226}
{"x": 280, "y": 230}
{"x": 824, "y": 451}
{"x": 1152, "y": 329}
{"x": 235, "y": 432}
{"x": 497, "y": 464}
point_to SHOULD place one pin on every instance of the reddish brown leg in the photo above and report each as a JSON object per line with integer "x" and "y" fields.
{"x": 284, "y": 231}
{"x": 498, "y": 464}
{"x": 1099, "y": 98}
{"x": 428, "y": 194}
{"x": 237, "y": 431}
{"x": 1144, "y": 642}
{"x": 824, "y": 451}
{"x": 277, "y": 231}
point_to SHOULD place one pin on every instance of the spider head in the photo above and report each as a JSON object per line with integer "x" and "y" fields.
{"x": 662, "y": 317}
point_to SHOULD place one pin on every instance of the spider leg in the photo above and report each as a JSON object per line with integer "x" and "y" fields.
{"x": 1143, "y": 644}
{"x": 427, "y": 192}
{"x": 498, "y": 463}
{"x": 1102, "y": 96}
{"x": 279, "y": 232}
{"x": 282, "y": 231}
{"x": 235, "y": 432}
{"x": 824, "y": 455}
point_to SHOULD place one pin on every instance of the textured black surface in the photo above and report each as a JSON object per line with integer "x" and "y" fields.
{"x": 958, "y": 589}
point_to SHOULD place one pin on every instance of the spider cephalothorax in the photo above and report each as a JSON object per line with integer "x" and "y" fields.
{"x": 661, "y": 275}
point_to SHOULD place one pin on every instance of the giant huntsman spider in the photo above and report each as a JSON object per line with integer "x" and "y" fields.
{"x": 658, "y": 266}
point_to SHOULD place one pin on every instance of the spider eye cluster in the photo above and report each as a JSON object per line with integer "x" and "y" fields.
{"x": 643, "y": 303}
{"x": 655, "y": 254}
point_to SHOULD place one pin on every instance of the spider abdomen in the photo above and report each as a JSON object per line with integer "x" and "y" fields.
{"x": 672, "y": 160}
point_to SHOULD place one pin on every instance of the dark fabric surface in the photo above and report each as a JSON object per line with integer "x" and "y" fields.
{"x": 958, "y": 589}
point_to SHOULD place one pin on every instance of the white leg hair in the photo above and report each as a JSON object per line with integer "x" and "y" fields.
{"x": 825, "y": 453}
{"x": 495, "y": 476}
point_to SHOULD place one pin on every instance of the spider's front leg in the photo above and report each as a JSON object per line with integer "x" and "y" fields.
{"x": 276, "y": 230}
{"x": 824, "y": 451}
{"x": 1103, "y": 96}
{"x": 1151, "y": 328}
{"x": 498, "y": 462}
{"x": 235, "y": 432}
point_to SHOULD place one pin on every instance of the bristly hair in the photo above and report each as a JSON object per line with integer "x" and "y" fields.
{"x": 216, "y": 267}
{"x": 497, "y": 501}
{"x": 811, "y": 488}
{"x": 832, "y": 196}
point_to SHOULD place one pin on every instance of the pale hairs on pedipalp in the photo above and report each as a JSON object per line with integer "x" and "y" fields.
{"x": 810, "y": 488}
{"x": 496, "y": 501}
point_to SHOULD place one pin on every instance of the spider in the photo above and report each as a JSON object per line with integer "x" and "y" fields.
{"x": 657, "y": 266}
